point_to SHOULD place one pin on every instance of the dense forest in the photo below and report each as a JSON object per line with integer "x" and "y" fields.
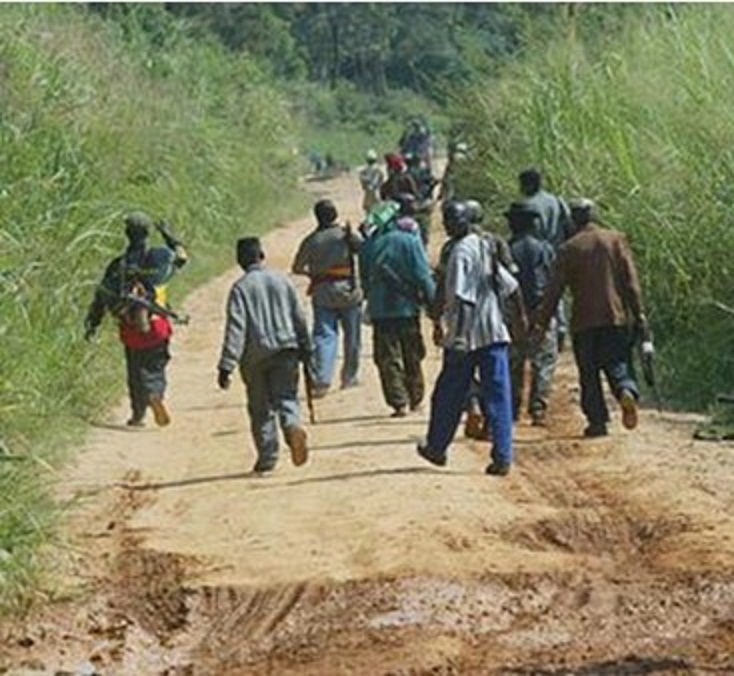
{"x": 377, "y": 47}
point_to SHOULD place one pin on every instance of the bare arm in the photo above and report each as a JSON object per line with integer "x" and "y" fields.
{"x": 301, "y": 261}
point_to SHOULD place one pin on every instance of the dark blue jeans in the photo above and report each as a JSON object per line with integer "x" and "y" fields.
{"x": 495, "y": 397}
{"x": 606, "y": 349}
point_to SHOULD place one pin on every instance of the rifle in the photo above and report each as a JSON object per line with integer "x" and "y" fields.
{"x": 350, "y": 253}
{"x": 646, "y": 354}
{"x": 399, "y": 285}
{"x": 647, "y": 360}
{"x": 156, "y": 309}
{"x": 308, "y": 382}
{"x": 720, "y": 306}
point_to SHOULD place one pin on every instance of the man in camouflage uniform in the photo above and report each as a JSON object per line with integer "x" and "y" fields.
{"x": 425, "y": 183}
{"x": 534, "y": 259}
{"x": 397, "y": 281}
{"x": 553, "y": 226}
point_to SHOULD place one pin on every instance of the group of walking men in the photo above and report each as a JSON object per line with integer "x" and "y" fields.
{"x": 494, "y": 306}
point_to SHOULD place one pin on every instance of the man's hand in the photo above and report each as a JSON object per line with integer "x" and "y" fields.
{"x": 438, "y": 334}
{"x": 166, "y": 231}
{"x": 224, "y": 379}
{"x": 642, "y": 328}
{"x": 305, "y": 354}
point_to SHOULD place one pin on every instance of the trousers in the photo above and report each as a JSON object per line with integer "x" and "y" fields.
{"x": 271, "y": 386}
{"x": 495, "y": 397}
{"x": 602, "y": 349}
{"x": 146, "y": 376}
{"x": 398, "y": 352}
{"x": 542, "y": 358}
{"x": 326, "y": 324}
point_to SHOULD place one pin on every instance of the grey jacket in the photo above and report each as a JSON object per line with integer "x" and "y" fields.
{"x": 555, "y": 217}
{"x": 263, "y": 317}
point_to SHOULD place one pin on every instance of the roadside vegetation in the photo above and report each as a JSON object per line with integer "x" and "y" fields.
{"x": 97, "y": 118}
{"x": 631, "y": 106}
{"x": 204, "y": 115}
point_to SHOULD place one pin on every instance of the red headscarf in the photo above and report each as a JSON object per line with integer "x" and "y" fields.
{"x": 395, "y": 162}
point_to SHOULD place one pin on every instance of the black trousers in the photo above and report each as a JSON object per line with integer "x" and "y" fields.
{"x": 146, "y": 376}
{"x": 603, "y": 349}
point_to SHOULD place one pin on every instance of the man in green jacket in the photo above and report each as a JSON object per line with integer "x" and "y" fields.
{"x": 397, "y": 281}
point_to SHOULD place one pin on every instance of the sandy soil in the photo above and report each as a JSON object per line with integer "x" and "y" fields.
{"x": 613, "y": 556}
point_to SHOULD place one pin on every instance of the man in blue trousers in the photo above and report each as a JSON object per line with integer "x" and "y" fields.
{"x": 327, "y": 257}
{"x": 478, "y": 292}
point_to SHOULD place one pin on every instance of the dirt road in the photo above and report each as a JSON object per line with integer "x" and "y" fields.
{"x": 613, "y": 556}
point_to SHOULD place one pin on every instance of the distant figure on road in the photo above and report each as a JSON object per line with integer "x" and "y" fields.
{"x": 457, "y": 154}
{"x": 476, "y": 337}
{"x": 327, "y": 258}
{"x": 425, "y": 183}
{"x": 417, "y": 140}
{"x": 399, "y": 181}
{"x": 597, "y": 266}
{"x": 264, "y": 338}
{"x": 371, "y": 179}
{"x": 133, "y": 290}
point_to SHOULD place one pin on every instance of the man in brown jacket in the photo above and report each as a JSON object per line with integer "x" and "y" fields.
{"x": 597, "y": 266}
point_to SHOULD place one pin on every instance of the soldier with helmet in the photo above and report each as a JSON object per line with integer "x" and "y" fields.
{"x": 475, "y": 337}
{"x": 596, "y": 265}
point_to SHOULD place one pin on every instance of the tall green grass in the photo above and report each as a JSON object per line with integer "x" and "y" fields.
{"x": 96, "y": 118}
{"x": 638, "y": 119}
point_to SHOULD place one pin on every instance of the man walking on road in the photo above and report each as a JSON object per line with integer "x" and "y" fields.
{"x": 371, "y": 179}
{"x": 476, "y": 337}
{"x": 397, "y": 280}
{"x": 133, "y": 289}
{"x": 534, "y": 260}
{"x": 326, "y": 256}
{"x": 265, "y": 336}
{"x": 553, "y": 226}
{"x": 597, "y": 266}
{"x": 399, "y": 181}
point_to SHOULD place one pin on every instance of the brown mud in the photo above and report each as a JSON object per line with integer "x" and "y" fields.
{"x": 612, "y": 556}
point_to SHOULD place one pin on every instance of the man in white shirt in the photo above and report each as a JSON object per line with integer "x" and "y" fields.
{"x": 478, "y": 289}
